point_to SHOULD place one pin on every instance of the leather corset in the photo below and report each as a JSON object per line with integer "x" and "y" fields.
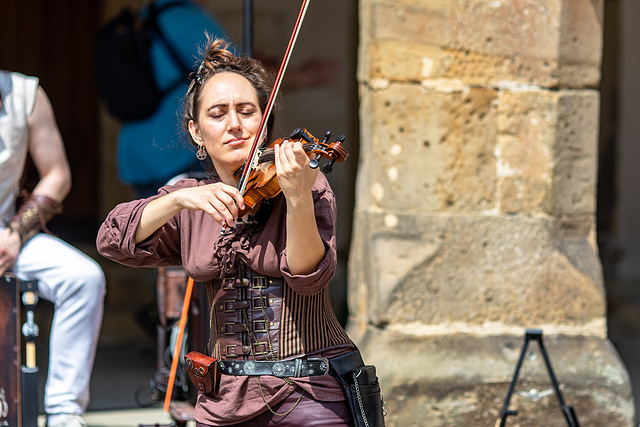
{"x": 245, "y": 315}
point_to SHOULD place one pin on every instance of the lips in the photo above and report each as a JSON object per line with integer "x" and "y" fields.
{"x": 236, "y": 141}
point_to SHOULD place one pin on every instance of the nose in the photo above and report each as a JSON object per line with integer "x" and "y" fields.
{"x": 234, "y": 121}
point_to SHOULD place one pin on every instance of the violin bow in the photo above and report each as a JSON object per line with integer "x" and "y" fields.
{"x": 242, "y": 185}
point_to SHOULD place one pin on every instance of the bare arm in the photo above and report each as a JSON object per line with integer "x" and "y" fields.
{"x": 47, "y": 151}
{"x": 48, "y": 155}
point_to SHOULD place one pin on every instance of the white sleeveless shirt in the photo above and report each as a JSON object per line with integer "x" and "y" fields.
{"x": 18, "y": 93}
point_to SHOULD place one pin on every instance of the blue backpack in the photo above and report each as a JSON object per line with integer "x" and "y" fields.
{"x": 123, "y": 68}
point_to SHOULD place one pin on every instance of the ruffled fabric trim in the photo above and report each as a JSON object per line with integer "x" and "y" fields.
{"x": 230, "y": 242}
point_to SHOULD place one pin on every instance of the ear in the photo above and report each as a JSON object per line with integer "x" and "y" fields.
{"x": 194, "y": 130}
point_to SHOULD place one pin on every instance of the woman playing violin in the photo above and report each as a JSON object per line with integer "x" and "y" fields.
{"x": 273, "y": 329}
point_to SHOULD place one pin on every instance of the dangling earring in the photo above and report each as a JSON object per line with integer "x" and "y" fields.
{"x": 202, "y": 153}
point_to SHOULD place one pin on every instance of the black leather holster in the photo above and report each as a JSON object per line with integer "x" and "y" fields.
{"x": 361, "y": 389}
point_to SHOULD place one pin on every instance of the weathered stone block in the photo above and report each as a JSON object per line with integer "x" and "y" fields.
{"x": 474, "y": 271}
{"x": 415, "y": 41}
{"x": 509, "y": 28}
{"x": 576, "y": 152}
{"x": 428, "y": 23}
{"x": 547, "y": 152}
{"x": 405, "y": 61}
{"x": 483, "y": 69}
{"x": 547, "y": 43}
{"x": 394, "y": 60}
{"x": 450, "y": 129}
{"x": 518, "y": 40}
{"x": 580, "y": 44}
{"x": 525, "y": 155}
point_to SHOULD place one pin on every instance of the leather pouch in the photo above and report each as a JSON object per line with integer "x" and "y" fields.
{"x": 364, "y": 398}
{"x": 204, "y": 372}
{"x": 361, "y": 389}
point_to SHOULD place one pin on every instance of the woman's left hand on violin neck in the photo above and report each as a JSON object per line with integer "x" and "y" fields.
{"x": 295, "y": 177}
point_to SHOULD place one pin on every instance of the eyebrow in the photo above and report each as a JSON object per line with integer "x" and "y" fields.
{"x": 239, "y": 104}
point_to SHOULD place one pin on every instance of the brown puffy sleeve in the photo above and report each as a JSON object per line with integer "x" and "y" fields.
{"x": 116, "y": 237}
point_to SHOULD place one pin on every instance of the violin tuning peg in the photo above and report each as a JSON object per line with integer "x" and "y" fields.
{"x": 301, "y": 134}
{"x": 296, "y": 134}
{"x": 326, "y": 137}
{"x": 314, "y": 163}
{"x": 328, "y": 167}
{"x": 341, "y": 138}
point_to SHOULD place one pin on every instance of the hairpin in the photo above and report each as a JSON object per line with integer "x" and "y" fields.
{"x": 196, "y": 77}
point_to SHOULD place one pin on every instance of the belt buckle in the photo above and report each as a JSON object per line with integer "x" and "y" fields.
{"x": 226, "y": 330}
{"x": 259, "y": 302}
{"x": 224, "y": 306}
{"x": 230, "y": 347}
{"x": 324, "y": 365}
{"x": 259, "y": 282}
{"x": 227, "y": 283}
{"x": 257, "y": 328}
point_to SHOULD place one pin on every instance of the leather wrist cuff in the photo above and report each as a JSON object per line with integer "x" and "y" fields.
{"x": 33, "y": 216}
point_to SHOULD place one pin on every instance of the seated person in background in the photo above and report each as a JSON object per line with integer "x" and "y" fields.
{"x": 67, "y": 277}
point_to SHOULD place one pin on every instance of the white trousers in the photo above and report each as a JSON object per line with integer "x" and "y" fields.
{"x": 75, "y": 284}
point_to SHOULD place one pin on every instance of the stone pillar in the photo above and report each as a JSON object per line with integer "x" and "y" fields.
{"x": 475, "y": 211}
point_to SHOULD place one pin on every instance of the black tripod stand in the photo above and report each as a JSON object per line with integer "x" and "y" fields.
{"x": 568, "y": 412}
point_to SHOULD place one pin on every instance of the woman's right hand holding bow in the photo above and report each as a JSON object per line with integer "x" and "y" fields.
{"x": 221, "y": 201}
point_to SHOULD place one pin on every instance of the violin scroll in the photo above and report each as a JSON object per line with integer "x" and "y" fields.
{"x": 328, "y": 167}
{"x": 332, "y": 151}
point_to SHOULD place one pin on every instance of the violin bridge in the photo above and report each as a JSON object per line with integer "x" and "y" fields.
{"x": 256, "y": 159}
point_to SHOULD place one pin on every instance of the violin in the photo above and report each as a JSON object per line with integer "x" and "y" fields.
{"x": 263, "y": 183}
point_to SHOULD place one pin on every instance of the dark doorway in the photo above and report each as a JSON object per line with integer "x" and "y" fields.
{"x": 53, "y": 40}
{"x": 623, "y": 300}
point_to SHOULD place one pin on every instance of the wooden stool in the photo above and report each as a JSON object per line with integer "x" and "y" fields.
{"x": 18, "y": 383}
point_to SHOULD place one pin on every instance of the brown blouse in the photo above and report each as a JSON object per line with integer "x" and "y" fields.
{"x": 297, "y": 308}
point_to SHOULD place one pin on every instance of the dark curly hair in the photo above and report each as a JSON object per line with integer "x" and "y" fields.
{"x": 217, "y": 58}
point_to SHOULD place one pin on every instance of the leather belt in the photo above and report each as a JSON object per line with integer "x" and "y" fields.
{"x": 280, "y": 368}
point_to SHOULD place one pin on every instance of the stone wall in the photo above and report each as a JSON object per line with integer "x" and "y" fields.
{"x": 475, "y": 211}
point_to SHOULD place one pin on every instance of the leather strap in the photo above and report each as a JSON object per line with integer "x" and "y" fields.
{"x": 342, "y": 366}
{"x": 281, "y": 368}
{"x": 33, "y": 215}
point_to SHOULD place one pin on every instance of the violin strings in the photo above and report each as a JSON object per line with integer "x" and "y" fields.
{"x": 268, "y": 154}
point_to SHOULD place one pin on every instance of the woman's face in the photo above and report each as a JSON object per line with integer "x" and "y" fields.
{"x": 228, "y": 121}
